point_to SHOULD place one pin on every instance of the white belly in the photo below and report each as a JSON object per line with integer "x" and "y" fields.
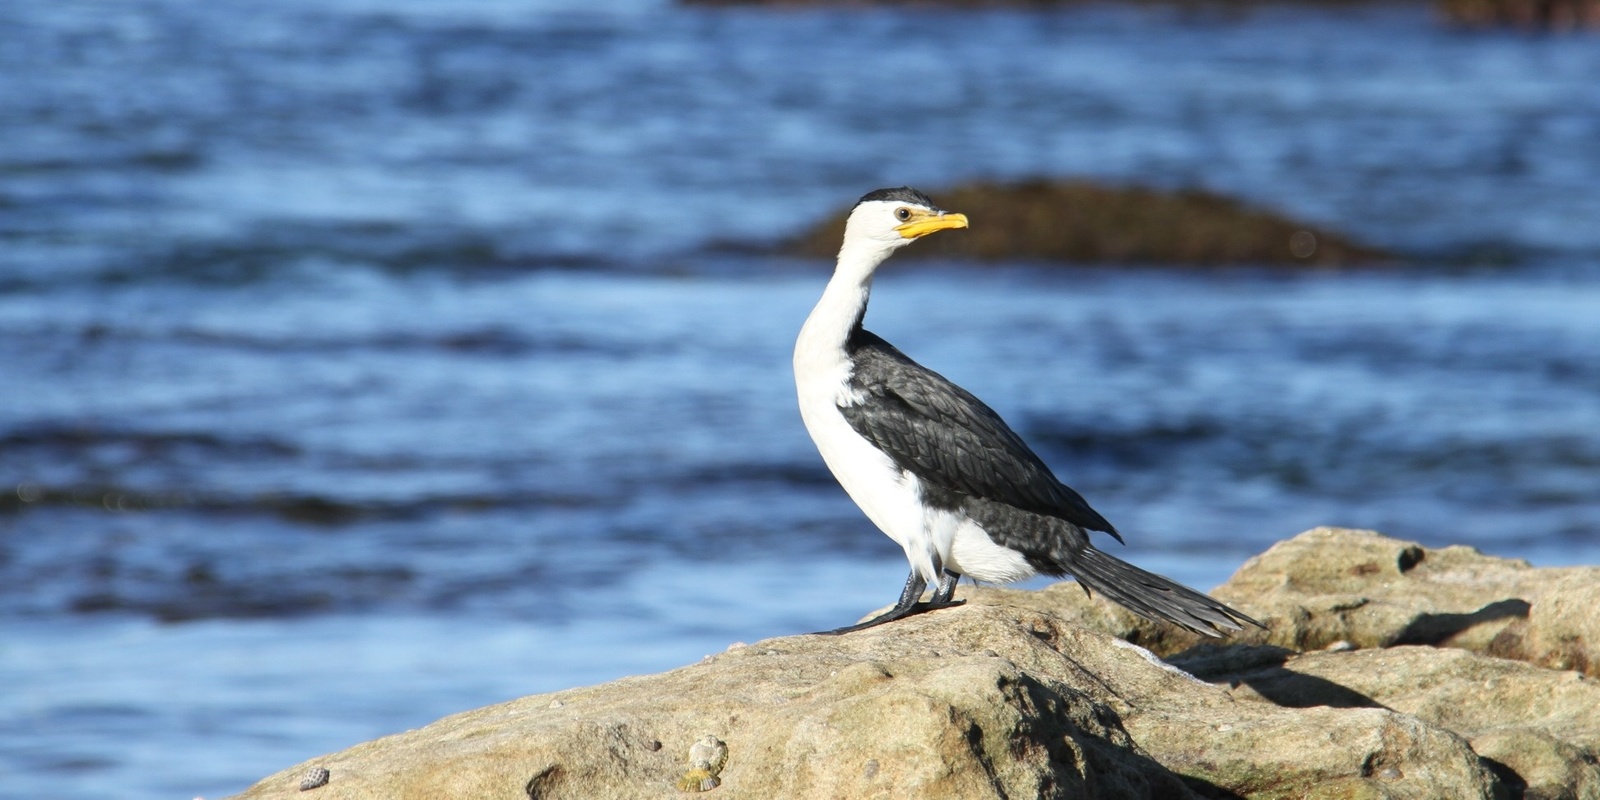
{"x": 973, "y": 554}
{"x": 888, "y": 496}
{"x": 891, "y": 498}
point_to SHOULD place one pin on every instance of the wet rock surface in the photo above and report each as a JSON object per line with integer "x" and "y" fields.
{"x": 1390, "y": 671}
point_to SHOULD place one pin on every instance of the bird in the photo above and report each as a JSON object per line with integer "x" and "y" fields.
{"x": 935, "y": 468}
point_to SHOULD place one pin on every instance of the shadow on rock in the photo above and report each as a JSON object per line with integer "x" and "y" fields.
{"x": 1263, "y": 669}
{"x": 1438, "y": 629}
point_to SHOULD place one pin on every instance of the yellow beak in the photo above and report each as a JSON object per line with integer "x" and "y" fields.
{"x": 919, "y": 227}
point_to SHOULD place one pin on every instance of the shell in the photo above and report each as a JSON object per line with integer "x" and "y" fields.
{"x": 315, "y": 778}
{"x": 707, "y": 757}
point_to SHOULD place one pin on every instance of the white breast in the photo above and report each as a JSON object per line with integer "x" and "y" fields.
{"x": 891, "y": 498}
{"x": 888, "y": 496}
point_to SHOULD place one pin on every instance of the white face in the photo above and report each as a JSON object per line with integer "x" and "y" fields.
{"x": 890, "y": 224}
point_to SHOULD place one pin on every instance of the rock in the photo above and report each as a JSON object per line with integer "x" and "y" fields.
{"x": 812, "y": 716}
{"x": 1538, "y": 727}
{"x": 1083, "y": 222}
{"x": 1391, "y": 671}
{"x": 1342, "y": 589}
{"x": 1539, "y": 15}
{"x": 1331, "y": 584}
{"x": 1551, "y": 15}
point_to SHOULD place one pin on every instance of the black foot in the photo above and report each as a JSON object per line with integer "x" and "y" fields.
{"x": 890, "y": 616}
{"x": 946, "y": 589}
{"x": 909, "y": 604}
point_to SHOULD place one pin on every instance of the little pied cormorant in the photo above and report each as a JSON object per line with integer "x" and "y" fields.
{"x": 935, "y": 468}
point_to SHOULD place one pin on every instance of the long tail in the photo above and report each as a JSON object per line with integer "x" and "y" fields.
{"x": 1153, "y": 597}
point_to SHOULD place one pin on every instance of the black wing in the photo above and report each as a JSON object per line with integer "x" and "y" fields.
{"x": 948, "y": 438}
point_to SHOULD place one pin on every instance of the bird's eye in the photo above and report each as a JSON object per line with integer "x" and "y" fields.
{"x": 902, "y": 213}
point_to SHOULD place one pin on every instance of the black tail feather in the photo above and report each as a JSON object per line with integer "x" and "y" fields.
{"x": 1153, "y": 597}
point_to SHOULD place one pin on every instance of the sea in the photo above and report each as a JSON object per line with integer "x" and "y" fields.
{"x": 366, "y": 361}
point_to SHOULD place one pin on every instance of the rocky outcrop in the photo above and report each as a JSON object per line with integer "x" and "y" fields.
{"x": 1544, "y": 15}
{"x": 1390, "y": 671}
{"x": 1339, "y": 588}
{"x": 1082, "y": 222}
{"x": 1550, "y": 15}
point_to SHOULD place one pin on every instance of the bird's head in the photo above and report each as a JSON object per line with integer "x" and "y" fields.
{"x": 888, "y": 219}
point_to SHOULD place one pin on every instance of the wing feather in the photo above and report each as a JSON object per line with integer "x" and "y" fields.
{"x": 949, "y": 438}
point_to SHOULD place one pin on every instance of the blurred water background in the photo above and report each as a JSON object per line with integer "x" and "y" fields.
{"x": 369, "y": 360}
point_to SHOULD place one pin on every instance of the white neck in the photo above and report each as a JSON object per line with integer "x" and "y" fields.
{"x": 822, "y": 338}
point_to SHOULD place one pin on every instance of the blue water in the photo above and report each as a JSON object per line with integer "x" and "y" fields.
{"x": 365, "y": 361}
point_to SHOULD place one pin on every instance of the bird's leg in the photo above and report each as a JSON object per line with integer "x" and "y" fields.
{"x": 911, "y": 593}
{"x": 910, "y": 598}
{"x": 907, "y": 606}
{"x": 945, "y": 591}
